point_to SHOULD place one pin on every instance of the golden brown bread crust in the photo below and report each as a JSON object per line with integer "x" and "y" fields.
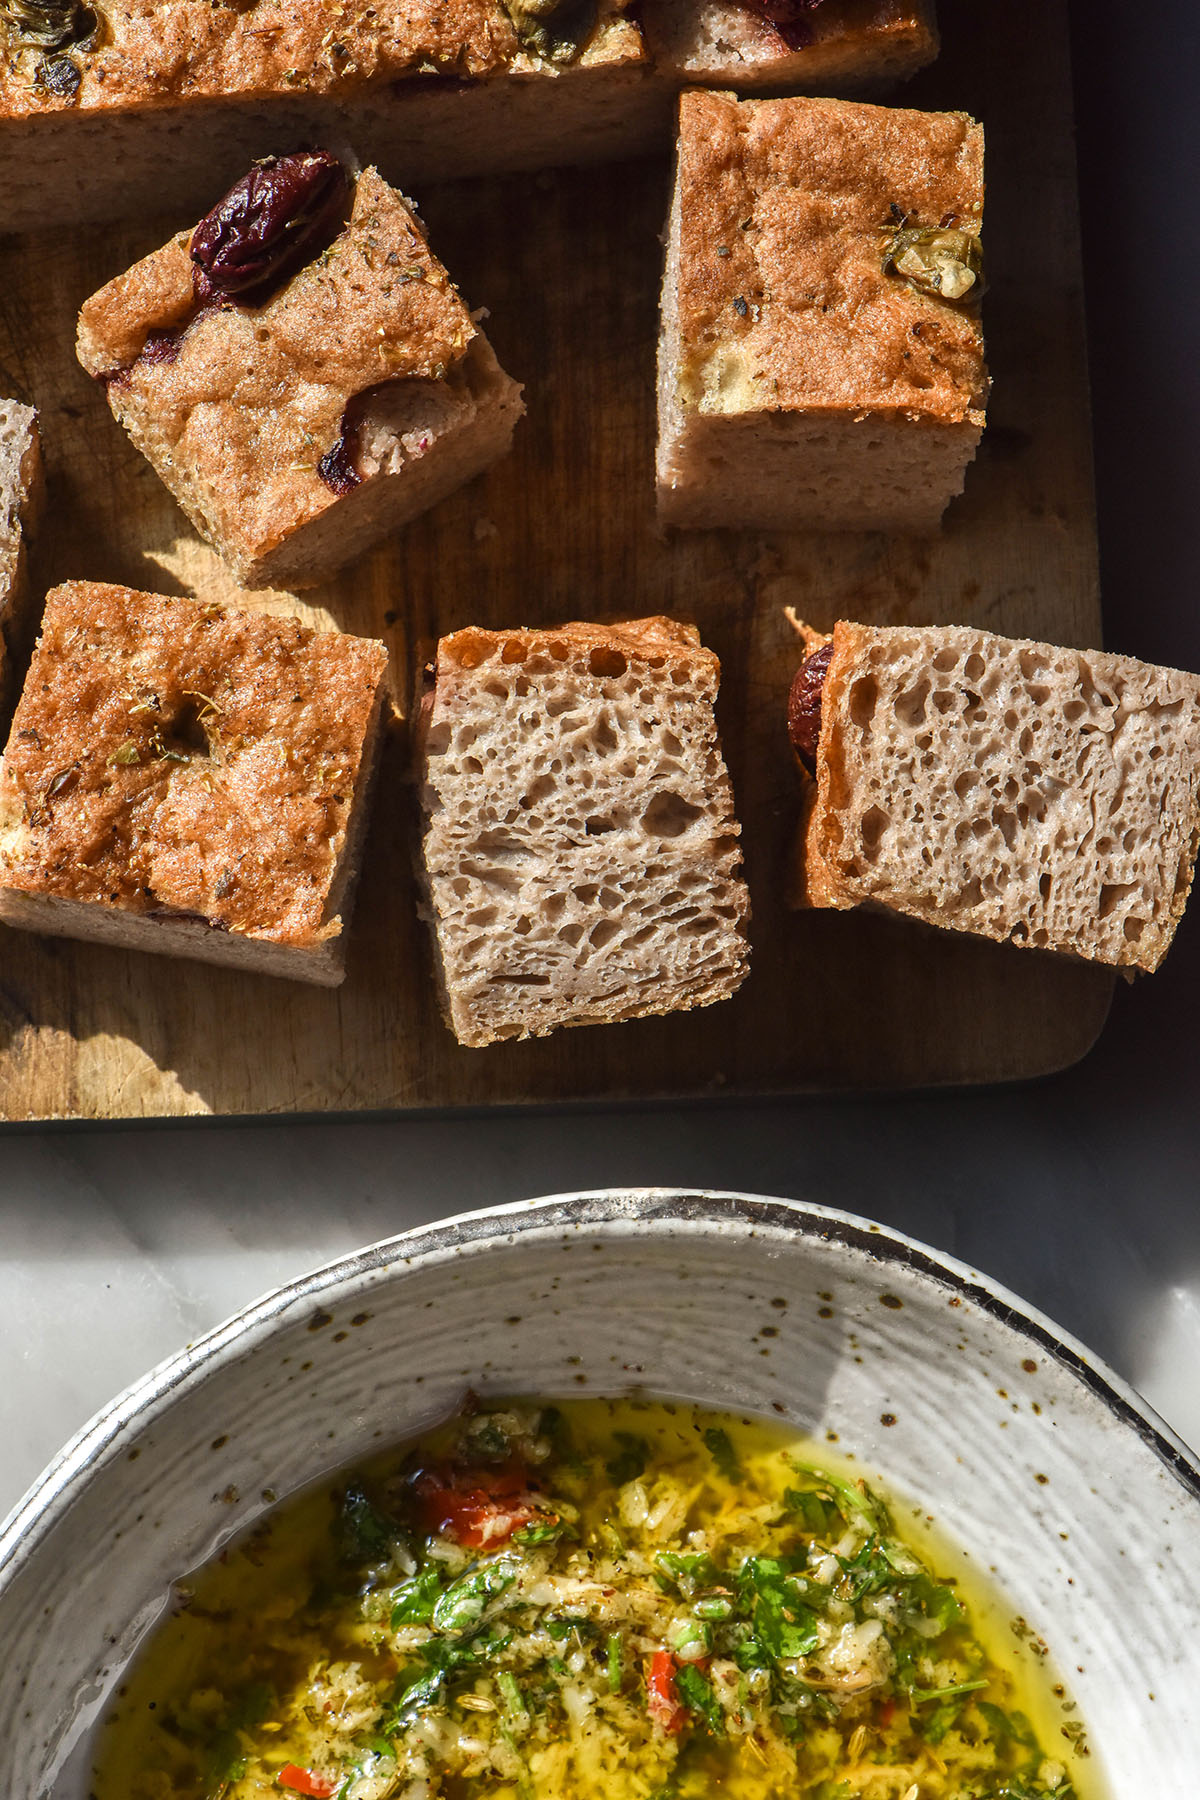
{"x": 786, "y": 206}
{"x": 815, "y": 881}
{"x": 158, "y": 53}
{"x": 155, "y": 52}
{"x": 174, "y": 100}
{"x": 654, "y": 637}
{"x": 239, "y": 421}
{"x": 440, "y": 663}
{"x": 168, "y": 756}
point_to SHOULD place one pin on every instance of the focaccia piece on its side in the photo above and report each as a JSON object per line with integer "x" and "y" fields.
{"x": 20, "y": 499}
{"x": 580, "y": 853}
{"x": 150, "y": 105}
{"x": 300, "y": 416}
{"x": 834, "y": 47}
{"x": 821, "y": 359}
{"x": 191, "y": 781}
{"x": 1039, "y": 796}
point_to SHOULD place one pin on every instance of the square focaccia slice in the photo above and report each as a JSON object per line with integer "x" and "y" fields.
{"x": 189, "y": 780}
{"x": 580, "y": 856}
{"x": 1040, "y": 796}
{"x": 821, "y": 361}
{"x": 300, "y": 370}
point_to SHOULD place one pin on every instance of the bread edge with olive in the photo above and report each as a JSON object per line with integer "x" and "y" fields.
{"x": 1114, "y": 894}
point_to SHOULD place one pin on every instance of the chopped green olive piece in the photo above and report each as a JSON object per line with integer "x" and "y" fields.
{"x": 939, "y": 260}
{"x": 50, "y": 24}
{"x": 554, "y": 29}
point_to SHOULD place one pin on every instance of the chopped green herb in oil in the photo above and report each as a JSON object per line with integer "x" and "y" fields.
{"x": 602, "y": 1600}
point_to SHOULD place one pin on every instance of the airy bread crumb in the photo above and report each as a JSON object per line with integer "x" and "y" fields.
{"x": 580, "y": 854}
{"x": 1040, "y": 796}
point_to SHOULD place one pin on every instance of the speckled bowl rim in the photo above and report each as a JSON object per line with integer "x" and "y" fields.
{"x": 65, "y": 1480}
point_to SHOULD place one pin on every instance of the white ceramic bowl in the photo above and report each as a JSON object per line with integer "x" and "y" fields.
{"x": 1040, "y": 1463}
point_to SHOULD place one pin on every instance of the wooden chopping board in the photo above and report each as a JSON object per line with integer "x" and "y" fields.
{"x": 568, "y": 264}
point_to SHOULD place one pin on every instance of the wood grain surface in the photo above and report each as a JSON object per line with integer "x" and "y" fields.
{"x": 568, "y": 265}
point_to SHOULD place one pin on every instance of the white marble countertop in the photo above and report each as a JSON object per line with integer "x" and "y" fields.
{"x": 118, "y": 1246}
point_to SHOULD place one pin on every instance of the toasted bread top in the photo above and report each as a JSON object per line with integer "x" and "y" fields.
{"x": 155, "y": 52}
{"x": 254, "y": 396}
{"x": 169, "y": 756}
{"x": 786, "y": 210}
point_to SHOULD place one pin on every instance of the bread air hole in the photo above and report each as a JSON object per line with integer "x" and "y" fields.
{"x": 864, "y": 697}
{"x": 499, "y": 846}
{"x": 470, "y": 649}
{"x": 871, "y": 829}
{"x": 607, "y": 662}
{"x": 669, "y": 815}
{"x": 910, "y": 705}
{"x": 536, "y": 792}
{"x": 183, "y": 736}
{"x": 1113, "y": 894}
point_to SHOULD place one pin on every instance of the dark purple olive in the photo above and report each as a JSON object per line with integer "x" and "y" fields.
{"x": 278, "y": 217}
{"x": 160, "y": 347}
{"x": 804, "y": 706}
{"x": 337, "y": 467}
